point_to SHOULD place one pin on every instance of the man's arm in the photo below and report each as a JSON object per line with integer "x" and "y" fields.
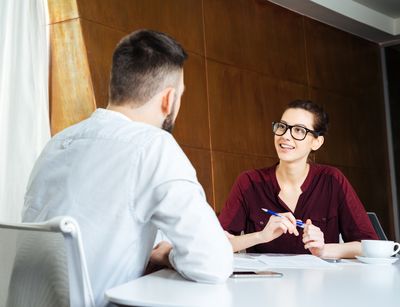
{"x": 200, "y": 249}
{"x": 172, "y": 200}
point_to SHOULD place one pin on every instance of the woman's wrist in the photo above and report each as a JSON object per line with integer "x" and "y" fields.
{"x": 262, "y": 237}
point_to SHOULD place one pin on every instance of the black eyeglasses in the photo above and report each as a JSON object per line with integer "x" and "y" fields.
{"x": 299, "y": 133}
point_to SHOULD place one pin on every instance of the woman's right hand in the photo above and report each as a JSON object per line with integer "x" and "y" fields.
{"x": 277, "y": 226}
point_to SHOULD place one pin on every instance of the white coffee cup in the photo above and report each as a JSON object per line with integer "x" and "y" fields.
{"x": 379, "y": 248}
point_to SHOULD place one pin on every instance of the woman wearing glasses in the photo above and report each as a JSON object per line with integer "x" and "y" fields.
{"x": 294, "y": 188}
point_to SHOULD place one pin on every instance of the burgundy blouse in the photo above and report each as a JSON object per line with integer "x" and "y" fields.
{"x": 327, "y": 199}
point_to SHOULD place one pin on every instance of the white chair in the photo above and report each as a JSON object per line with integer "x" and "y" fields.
{"x": 44, "y": 264}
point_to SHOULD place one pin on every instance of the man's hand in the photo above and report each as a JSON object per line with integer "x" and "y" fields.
{"x": 160, "y": 253}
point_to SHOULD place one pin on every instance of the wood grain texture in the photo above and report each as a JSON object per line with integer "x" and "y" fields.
{"x": 247, "y": 60}
{"x": 339, "y": 61}
{"x": 356, "y": 128}
{"x": 72, "y": 98}
{"x": 201, "y": 160}
{"x": 256, "y": 35}
{"x": 100, "y": 42}
{"x": 181, "y": 19}
{"x": 62, "y": 10}
{"x": 192, "y": 124}
{"x": 243, "y": 105}
{"x": 339, "y": 147}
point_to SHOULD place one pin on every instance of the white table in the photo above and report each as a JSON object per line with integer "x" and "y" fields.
{"x": 353, "y": 285}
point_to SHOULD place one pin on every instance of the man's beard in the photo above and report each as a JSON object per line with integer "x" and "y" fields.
{"x": 168, "y": 124}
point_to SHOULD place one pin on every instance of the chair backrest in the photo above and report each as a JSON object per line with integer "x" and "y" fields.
{"x": 377, "y": 226}
{"x": 45, "y": 264}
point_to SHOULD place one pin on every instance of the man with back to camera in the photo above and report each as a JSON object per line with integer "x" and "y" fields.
{"x": 122, "y": 176}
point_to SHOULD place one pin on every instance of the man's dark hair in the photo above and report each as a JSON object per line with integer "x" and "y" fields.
{"x": 144, "y": 63}
{"x": 321, "y": 119}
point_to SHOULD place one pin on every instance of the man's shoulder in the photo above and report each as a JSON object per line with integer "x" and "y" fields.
{"x": 107, "y": 125}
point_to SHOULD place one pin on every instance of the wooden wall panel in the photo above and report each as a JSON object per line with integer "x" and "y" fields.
{"x": 243, "y": 105}
{"x": 201, "y": 160}
{"x": 192, "y": 124}
{"x": 182, "y": 19}
{"x": 339, "y": 61}
{"x": 345, "y": 77}
{"x": 256, "y": 35}
{"x": 340, "y": 147}
{"x": 72, "y": 98}
{"x": 248, "y": 59}
{"x": 356, "y": 129}
{"x": 62, "y": 10}
{"x": 100, "y": 43}
{"x": 371, "y": 118}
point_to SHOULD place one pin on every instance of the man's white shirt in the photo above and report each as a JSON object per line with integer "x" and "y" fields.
{"x": 122, "y": 180}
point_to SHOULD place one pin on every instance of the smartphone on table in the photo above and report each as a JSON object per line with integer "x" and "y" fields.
{"x": 255, "y": 274}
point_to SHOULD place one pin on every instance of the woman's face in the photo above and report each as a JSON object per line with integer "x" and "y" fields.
{"x": 291, "y": 150}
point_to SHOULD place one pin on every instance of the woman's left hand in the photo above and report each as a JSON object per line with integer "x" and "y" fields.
{"x": 313, "y": 239}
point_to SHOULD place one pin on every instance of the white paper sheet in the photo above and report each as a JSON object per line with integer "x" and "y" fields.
{"x": 243, "y": 262}
{"x": 257, "y": 262}
{"x": 295, "y": 262}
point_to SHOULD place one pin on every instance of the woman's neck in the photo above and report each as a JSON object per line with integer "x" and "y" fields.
{"x": 293, "y": 174}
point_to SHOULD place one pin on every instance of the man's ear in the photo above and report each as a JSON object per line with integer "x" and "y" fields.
{"x": 317, "y": 143}
{"x": 167, "y": 100}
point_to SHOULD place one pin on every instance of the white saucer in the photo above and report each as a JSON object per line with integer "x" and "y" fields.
{"x": 371, "y": 260}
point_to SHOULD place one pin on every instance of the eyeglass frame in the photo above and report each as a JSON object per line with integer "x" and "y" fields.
{"x": 313, "y": 132}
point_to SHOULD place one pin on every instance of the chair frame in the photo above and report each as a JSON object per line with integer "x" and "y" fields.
{"x": 377, "y": 225}
{"x": 78, "y": 276}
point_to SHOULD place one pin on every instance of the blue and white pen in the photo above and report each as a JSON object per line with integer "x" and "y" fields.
{"x": 299, "y": 223}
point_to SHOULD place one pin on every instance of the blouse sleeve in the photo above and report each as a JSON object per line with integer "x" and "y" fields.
{"x": 354, "y": 224}
{"x": 233, "y": 215}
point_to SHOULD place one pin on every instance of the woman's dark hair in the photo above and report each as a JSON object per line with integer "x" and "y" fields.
{"x": 144, "y": 63}
{"x": 321, "y": 119}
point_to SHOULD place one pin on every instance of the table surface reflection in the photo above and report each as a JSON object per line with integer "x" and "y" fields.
{"x": 352, "y": 284}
